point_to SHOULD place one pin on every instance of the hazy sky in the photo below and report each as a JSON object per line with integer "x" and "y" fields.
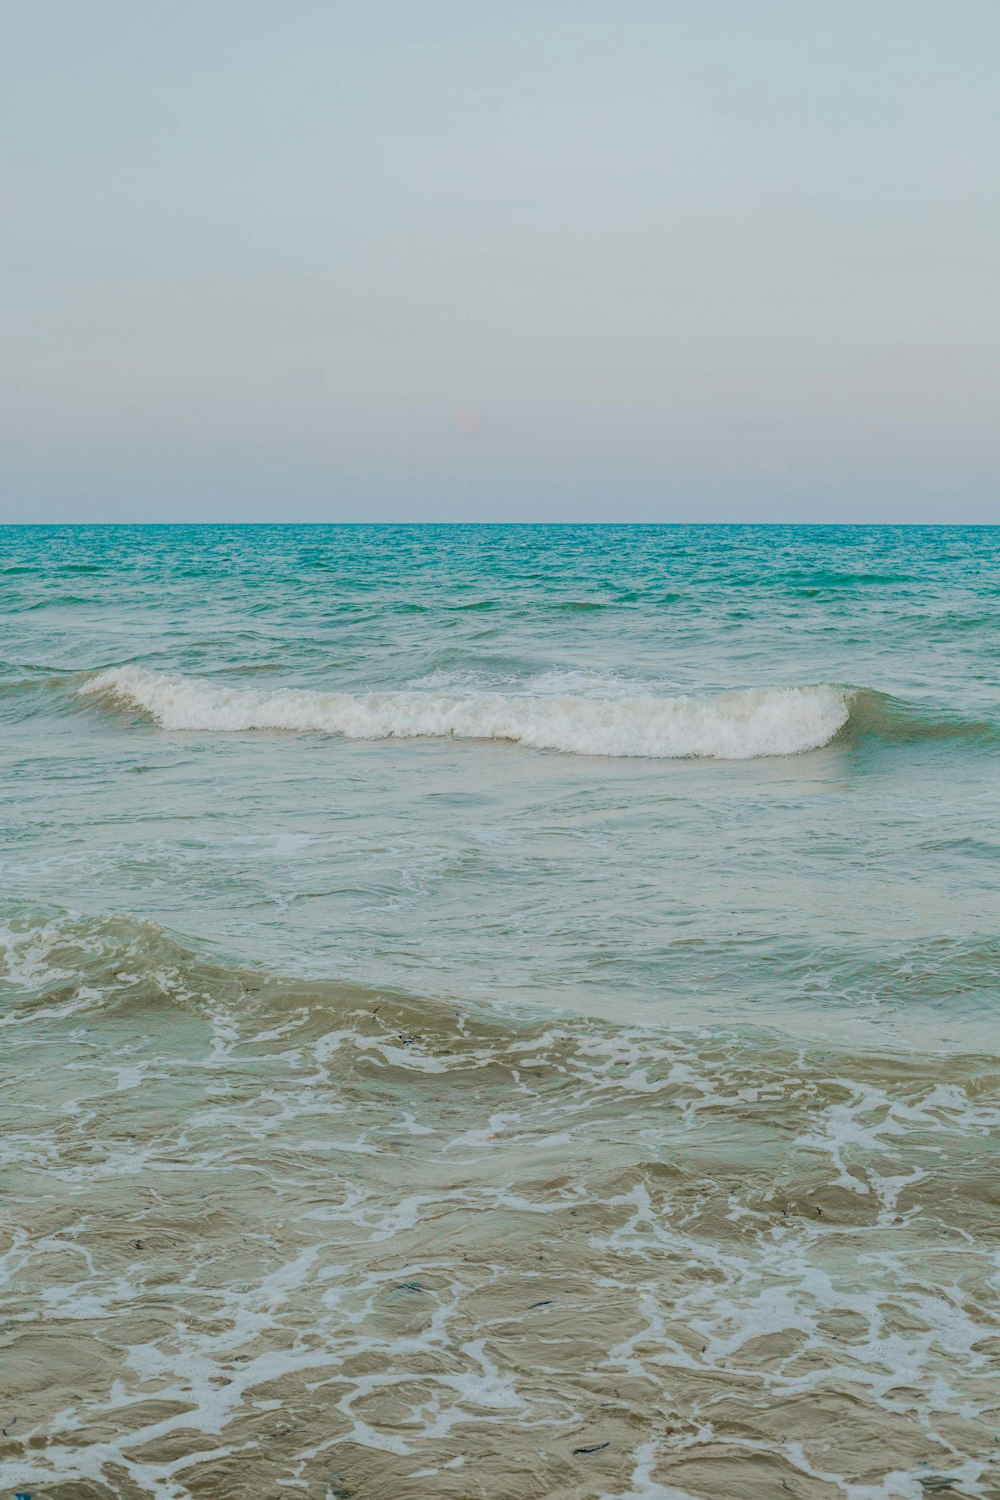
{"x": 485, "y": 259}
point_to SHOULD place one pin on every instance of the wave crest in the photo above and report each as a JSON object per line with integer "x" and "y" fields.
{"x": 739, "y": 725}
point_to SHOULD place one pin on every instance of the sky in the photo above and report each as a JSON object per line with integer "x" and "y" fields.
{"x": 690, "y": 260}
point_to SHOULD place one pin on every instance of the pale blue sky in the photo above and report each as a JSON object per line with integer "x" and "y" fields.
{"x": 698, "y": 259}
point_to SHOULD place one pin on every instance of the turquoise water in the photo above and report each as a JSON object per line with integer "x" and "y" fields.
{"x": 846, "y": 886}
{"x": 499, "y": 1012}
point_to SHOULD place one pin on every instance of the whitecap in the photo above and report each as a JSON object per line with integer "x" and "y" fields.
{"x": 737, "y": 725}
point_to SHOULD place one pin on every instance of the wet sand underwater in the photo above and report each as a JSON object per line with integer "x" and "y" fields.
{"x": 275, "y": 1237}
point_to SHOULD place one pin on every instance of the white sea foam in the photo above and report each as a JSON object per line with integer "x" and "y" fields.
{"x": 730, "y": 726}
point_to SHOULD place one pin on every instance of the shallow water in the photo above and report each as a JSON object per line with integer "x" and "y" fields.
{"x": 500, "y": 1012}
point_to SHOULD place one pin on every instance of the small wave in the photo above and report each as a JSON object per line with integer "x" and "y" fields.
{"x": 738, "y": 725}
{"x": 893, "y": 720}
{"x": 816, "y": 579}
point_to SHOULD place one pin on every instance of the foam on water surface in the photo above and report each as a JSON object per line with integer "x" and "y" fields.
{"x": 730, "y": 726}
{"x": 342, "y": 1239}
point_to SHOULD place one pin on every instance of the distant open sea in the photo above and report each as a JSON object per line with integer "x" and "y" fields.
{"x": 500, "y": 1012}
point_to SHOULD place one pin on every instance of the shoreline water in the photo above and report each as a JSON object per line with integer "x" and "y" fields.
{"x": 318, "y": 1233}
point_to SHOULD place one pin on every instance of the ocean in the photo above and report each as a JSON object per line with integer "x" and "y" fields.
{"x": 499, "y": 1012}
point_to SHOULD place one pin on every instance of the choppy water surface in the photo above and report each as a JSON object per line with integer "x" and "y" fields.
{"x": 500, "y": 1012}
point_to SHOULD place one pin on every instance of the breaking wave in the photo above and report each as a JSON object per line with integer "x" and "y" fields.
{"x": 737, "y": 725}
